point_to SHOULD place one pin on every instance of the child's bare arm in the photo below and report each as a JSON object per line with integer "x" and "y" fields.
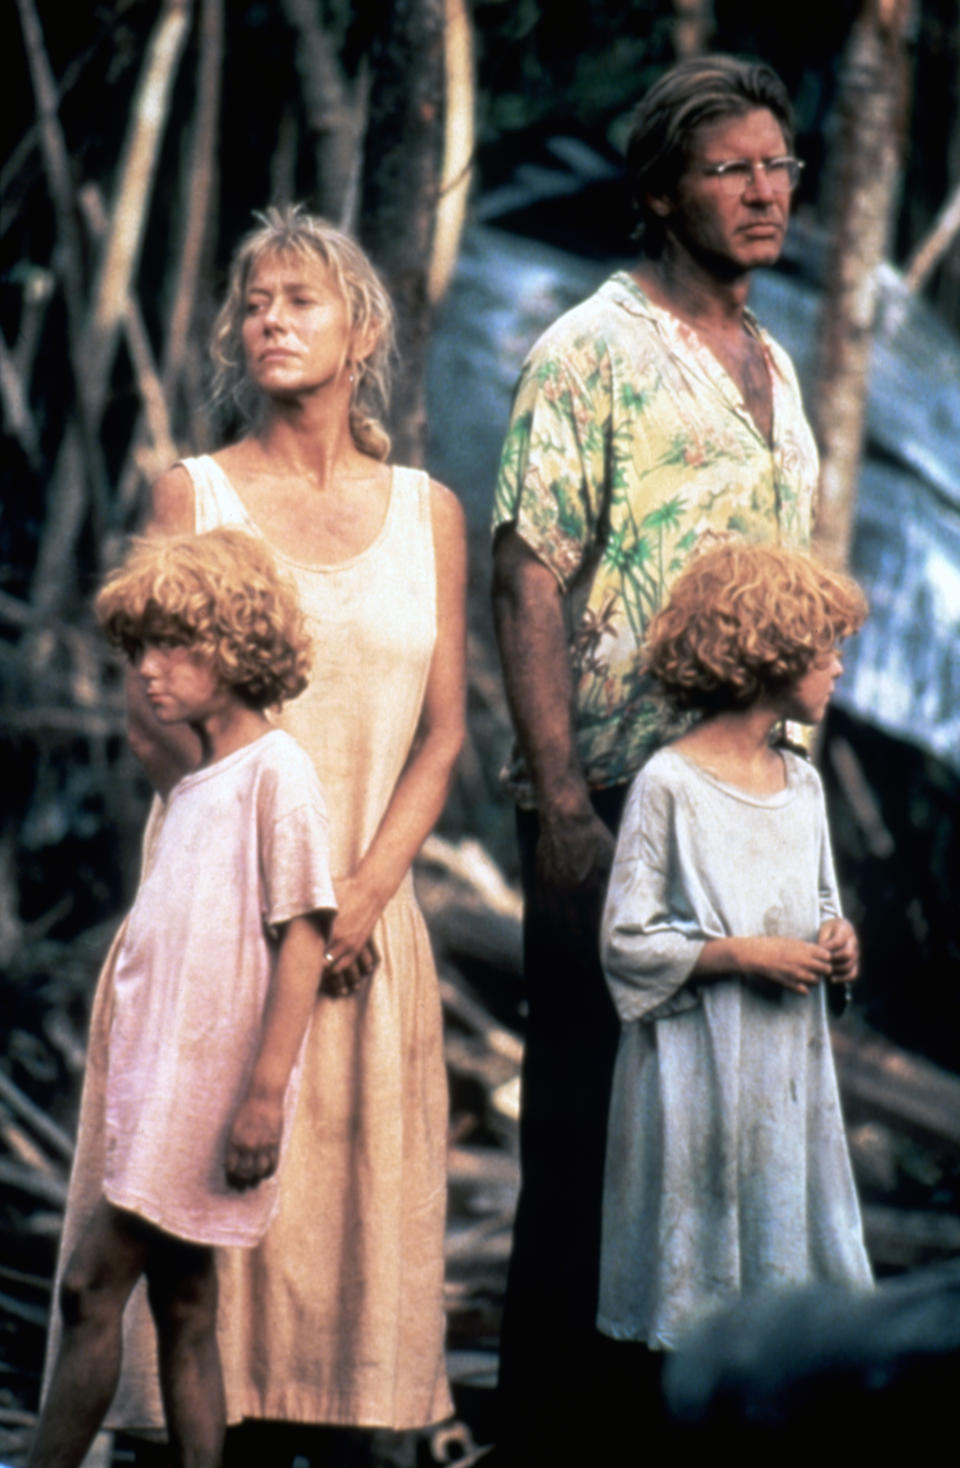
{"x": 253, "y": 1148}
{"x": 790, "y": 962}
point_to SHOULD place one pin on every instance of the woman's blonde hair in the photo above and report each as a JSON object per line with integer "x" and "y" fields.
{"x": 743, "y": 620}
{"x": 220, "y": 594}
{"x": 292, "y": 231}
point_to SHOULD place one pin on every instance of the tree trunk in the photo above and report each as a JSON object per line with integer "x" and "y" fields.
{"x": 692, "y": 27}
{"x": 333, "y": 113}
{"x": 400, "y": 189}
{"x": 198, "y": 214}
{"x": 458, "y": 145}
{"x": 871, "y": 108}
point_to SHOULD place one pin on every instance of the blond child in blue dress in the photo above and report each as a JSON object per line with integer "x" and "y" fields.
{"x": 727, "y": 1168}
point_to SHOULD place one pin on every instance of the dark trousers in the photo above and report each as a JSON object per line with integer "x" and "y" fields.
{"x": 553, "y": 1362}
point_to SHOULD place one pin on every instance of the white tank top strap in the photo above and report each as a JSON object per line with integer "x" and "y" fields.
{"x": 413, "y": 486}
{"x": 405, "y": 538}
{"x": 216, "y": 502}
{"x": 411, "y": 526}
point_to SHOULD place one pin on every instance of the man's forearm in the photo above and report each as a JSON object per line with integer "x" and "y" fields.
{"x": 529, "y": 621}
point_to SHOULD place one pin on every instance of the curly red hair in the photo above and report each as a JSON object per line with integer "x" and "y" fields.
{"x": 744, "y": 620}
{"x": 220, "y": 593}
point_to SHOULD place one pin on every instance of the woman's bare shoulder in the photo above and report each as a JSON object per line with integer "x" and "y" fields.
{"x": 449, "y": 547}
{"x": 446, "y": 512}
{"x": 171, "y": 507}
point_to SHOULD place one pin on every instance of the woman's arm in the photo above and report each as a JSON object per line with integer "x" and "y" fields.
{"x": 166, "y": 752}
{"x": 253, "y": 1147}
{"x": 420, "y": 793}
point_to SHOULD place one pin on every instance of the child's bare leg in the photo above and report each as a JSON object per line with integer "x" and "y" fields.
{"x": 182, "y": 1283}
{"x": 96, "y": 1285}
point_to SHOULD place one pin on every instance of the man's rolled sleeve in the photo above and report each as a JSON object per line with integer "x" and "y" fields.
{"x": 550, "y": 484}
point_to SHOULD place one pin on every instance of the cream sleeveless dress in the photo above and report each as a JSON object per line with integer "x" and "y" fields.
{"x": 337, "y": 1317}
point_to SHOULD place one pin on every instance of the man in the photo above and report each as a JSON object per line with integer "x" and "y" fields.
{"x": 650, "y": 420}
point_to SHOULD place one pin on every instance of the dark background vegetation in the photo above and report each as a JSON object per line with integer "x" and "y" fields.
{"x": 73, "y": 799}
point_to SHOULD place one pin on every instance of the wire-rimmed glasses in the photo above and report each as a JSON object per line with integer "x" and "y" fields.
{"x": 734, "y": 177}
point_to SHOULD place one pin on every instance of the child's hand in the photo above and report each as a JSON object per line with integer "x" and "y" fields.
{"x": 253, "y": 1147}
{"x": 840, "y": 938}
{"x": 789, "y": 962}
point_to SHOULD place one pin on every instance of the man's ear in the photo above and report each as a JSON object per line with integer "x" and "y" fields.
{"x": 662, "y": 205}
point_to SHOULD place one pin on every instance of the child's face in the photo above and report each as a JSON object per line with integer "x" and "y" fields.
{"x": 807, "y": 700}
{"x": 180, "y": 683}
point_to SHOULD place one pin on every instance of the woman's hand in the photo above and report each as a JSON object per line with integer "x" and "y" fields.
{"x": 350, "y": 956}
{"x": 253, "y": 1147}
{"x": 839, "y": 937}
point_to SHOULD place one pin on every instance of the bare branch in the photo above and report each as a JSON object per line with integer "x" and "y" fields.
{"x": 129, "y": 212}
{"x": 68, "y": 268}
{"x": 871, "y": 106}
{"x": 37, "y": 292}
{"x": 458, "y": 138}
{"x": 66, "y": 509}
{"x": 77, "y": 722}
{"x": 17, "y": 613}
{"x": 200, "y": 179}
{"x": 68, "y": 255}
{"x": 15, "y": 1175}
{"x": 16, "y": 408}
{"x": 18, "y": 157}
{"x": 332, "y": 112}
{"x": 43, "y": 1126}
{"x": 928, "y": 254}
{"x": 141, "y": 353}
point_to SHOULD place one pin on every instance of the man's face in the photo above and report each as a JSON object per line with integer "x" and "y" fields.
{"x": 730, "y": 225}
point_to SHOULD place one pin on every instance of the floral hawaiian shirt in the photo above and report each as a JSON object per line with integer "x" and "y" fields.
{"x": 630, "y": 446}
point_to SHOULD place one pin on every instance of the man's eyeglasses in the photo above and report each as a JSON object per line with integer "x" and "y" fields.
{"x": 782, "y": 174}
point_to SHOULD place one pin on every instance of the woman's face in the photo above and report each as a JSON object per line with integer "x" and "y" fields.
{"x": 296, "y": 329}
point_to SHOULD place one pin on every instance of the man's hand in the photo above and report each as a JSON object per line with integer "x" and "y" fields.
{"x": 573, "y": 861}
{"x": 574, "y": 854}
{"x": 840, "y": 939}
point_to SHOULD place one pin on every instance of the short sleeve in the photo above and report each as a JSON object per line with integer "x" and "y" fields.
{"x": 650, "y": 938}
{"x": 294, "y": 845}
{"x": 552, "y": 479}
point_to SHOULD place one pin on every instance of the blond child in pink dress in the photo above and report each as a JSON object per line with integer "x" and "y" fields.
{"x": 216, "y": 979}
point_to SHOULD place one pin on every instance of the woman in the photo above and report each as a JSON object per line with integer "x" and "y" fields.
{"x": 338, "y": 1316}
